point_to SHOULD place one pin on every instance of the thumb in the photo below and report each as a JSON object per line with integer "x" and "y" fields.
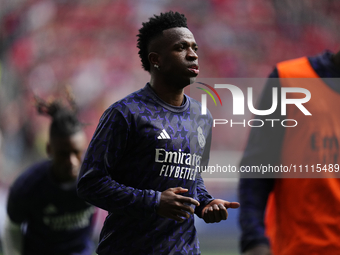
{"x": 178, "y": 190}
{"x": 232, "y": 205}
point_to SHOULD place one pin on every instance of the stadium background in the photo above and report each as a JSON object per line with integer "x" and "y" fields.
{"x": 91, "y": 47}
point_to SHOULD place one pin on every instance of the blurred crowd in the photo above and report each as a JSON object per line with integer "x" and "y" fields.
{"x": 90, "y": 46}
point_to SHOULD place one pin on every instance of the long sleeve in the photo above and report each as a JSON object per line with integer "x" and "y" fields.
{"x": 263, "y": 147}
{"x": 142, "y": 147}
{"x": 202, "y": 194}
{"x": 102, "y": 161}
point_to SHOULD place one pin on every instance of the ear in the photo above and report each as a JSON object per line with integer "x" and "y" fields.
{"x": 48, "y": 149}
{"x": 154, "y": 58}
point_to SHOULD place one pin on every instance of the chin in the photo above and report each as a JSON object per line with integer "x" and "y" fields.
{"x": 70, "y": 180}
{"x": 192, "y": 80}
{"x": 188, "y": 82}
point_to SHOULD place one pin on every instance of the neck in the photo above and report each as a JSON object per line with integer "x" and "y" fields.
{"x": 169, "y": 94}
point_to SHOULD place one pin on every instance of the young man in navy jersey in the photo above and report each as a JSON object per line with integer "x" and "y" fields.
{"x": 45, "y": 215}
{"x": 142, "y": 165}
{"x": 293, "y": 216}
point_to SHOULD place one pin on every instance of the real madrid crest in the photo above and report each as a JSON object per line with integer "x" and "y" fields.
{"x": 200, "y": 136}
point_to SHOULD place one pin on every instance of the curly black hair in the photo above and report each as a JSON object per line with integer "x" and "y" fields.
{"x": 153, "y": 28}
{"x": 64, "y": 120}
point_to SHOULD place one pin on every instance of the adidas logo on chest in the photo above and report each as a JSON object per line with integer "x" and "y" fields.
{"x": 163, "y": 135}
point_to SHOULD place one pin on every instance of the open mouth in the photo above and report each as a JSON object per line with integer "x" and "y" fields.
{"x": 194, "y": 69}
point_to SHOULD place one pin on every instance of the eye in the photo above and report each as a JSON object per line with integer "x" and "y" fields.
{"x": 78, "y": 153}
{"x": 181, "y": 47}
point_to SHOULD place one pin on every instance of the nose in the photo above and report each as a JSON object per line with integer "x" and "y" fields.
{"x": 73, "y": 160}
{"x": 192, "y": 54}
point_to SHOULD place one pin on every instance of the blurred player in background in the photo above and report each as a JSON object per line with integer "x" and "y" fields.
{"x": 45, "y": 215}
{"x": 142, "y": 165}
{"x": 302, "y": 214}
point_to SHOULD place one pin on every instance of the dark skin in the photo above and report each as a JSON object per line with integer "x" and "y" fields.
{"x": 175, "y": 53}
{"x": 66, "y": 154}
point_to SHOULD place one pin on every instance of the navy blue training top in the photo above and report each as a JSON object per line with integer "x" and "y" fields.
{"x": 55, "y": 220}
{"x": 143, "y": 146}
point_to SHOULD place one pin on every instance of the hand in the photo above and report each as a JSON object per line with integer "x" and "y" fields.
{"x": 175, "y": 206}
{"x": 216, "y": 210}
{"x": 258, "y": 250}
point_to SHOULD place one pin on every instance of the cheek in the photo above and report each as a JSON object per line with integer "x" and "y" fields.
{"x": 58, "y": 162}
{"x": 173, "y": 60}
{"x": 62, "y": 162}
{"x": 77, "y": 159}
{"x": 174, "y": 67}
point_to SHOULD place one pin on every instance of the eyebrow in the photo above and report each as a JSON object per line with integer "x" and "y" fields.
{"x": 186, "y": 43}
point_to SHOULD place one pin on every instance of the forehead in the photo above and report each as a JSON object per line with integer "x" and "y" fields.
{"x": 176, "y": 34}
